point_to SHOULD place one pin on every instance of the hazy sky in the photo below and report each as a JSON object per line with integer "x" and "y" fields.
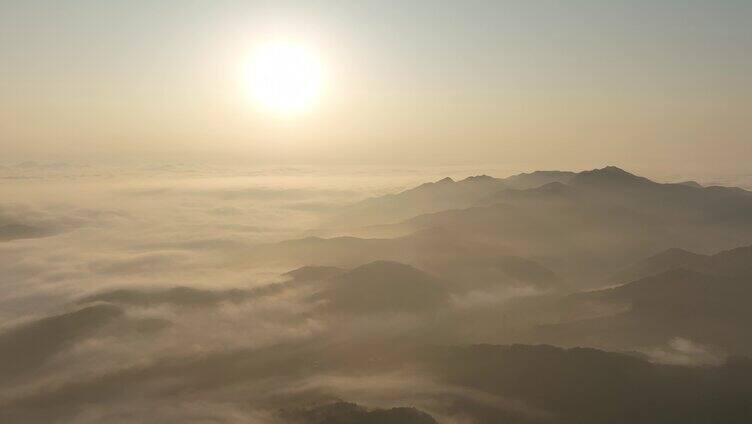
{"x": 580, "y": 83}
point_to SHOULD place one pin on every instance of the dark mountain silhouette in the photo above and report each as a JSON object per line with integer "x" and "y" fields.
{"x": 554, "y": 191}
{"x": 14, "y": 231}
{"x": 609, "y": 178}
{"x": 384, "y": 287}
{"x": 440, "y": 195}
{"x": 469, "y": 264}
{"x": 480, "y": 383}
{"x": 429, "y": 197}
{"x": 694, "y": 184}
{"x": 584, "y": 230}
{"x": 350, "y": 413}
{"x": 395, "y": 321}
{"x": 314, "y": 273}
{"x": 449, "y": 194}
{"x": 599, "y": 222}
{"x": 25, "y": 347}
{"x": 592, "y": 386}
{"x": 707, "y": 309}
{"x": 196, "y": 297}
{"x": 733, "y": 263}
{"x": 664, "y": 261}
{"x": 181, "y": 296}
{"x": 375, "y": 287}
{"x": 536, "y": 179}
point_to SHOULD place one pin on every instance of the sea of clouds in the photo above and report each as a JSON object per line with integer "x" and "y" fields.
{"x": 70, "y": 233}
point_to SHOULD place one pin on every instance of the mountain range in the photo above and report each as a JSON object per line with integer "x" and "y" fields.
{"x": 548, "y": 297}
{"x": 584, "y": 227}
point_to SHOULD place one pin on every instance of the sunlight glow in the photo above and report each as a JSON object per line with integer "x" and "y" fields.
{"x": 284, "y": 78}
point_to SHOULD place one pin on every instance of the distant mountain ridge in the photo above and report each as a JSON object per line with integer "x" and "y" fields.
{"x": 608, "y": 176}
{"x": 583, "y": 226}
{"x": 428, "y": 197}
{"x": 608, "y": 218}
{"x": 450, "y": 194}
{"x": 735, "y": 262}
{"x": 445, "y": 193}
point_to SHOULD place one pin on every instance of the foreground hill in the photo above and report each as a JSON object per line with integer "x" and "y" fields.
{"x": 707, "y": 309}
{"x": 592, "y": 386}
{"x": 27, "y": 347}
{"x": 479, "y": 383}
{"x": 469, "y": 264}
{"x": 383, "y": 287}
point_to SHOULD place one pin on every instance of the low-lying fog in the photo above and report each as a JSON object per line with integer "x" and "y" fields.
{"x": 162, "y": 294}
{"x": 154, "y": 226}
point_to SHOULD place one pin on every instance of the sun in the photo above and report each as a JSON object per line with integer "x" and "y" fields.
{"x": 284, "y": 78}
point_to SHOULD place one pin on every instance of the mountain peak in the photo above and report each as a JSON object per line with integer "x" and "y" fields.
{"x": 445, "y": 180}
{"x": 612, "y": 168}
{"x": 694, "y": 184}
{"x": 537, "y": 178}
{"x": 479, "y": 178}
{"x": 612, "y": 171}
{"x": 609, "y": 175}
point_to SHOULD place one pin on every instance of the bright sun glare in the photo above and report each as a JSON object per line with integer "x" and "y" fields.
{"x": 285, "y": 78}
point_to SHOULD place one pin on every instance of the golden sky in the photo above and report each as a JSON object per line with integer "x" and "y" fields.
{"x": 567, "y": 84}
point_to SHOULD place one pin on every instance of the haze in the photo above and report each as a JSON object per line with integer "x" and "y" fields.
{"x": 637, "y": 83}
{"x": 375, "y": 212}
